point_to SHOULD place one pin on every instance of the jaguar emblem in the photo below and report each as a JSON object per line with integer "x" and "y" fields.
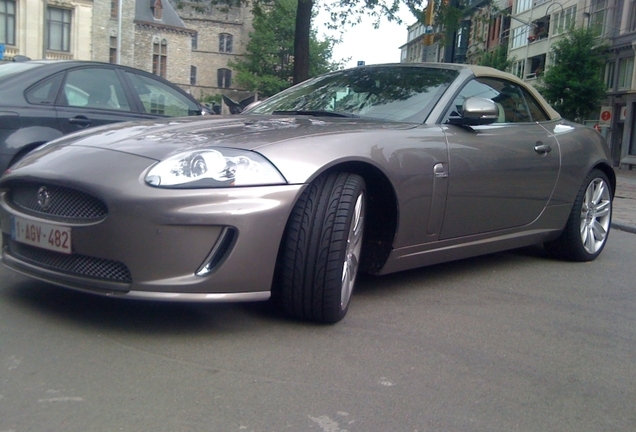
{"x": 44, "y": 198}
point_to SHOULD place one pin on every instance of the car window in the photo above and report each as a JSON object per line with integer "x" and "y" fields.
{"x": 159, "y": 98}
{"x": 516, "y": 104}
{"x": 45, "y": 91}
{"x": 395, "y": 93}
{"x": 94, "y": 88}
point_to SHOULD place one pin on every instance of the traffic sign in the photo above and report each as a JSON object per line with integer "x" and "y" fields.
{"x": 606, "y": 115}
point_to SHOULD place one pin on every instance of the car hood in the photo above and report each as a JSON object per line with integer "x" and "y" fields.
{"x": 160, "y": 139}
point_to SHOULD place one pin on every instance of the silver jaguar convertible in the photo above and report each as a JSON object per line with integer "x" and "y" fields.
{"x": 374, "y": 169}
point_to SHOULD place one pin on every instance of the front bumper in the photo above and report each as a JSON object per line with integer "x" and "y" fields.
{"x": 153, "y": 241}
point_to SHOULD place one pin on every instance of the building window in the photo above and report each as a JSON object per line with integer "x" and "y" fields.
{"x": 59, "y": 29}
{"x": 520, "y": 36}
{"x": 193, "y": 75}
{"x": 563, "y": 20}
{"x": 225, "y": 43}
{"x": 610, "y": 69}
{"x": 224, "y": 77}
{"x": 519, "y": 68}
{"x": 597, "y": 16}
{"x": 537, "y": 65}
{"x": 523, "y": 5}
{"x": 157, "y": 9}
{"x": 112, "y": 57}
{"x": 160, "y": 58}
{"x": 7, "y": 22}
{"x": 195, "y": 41}
{"x": 114, "y": 8}
{"x": 625, "y": 73}
{"x": 632, "y": 16}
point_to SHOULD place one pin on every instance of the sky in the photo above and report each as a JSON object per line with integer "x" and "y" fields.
{"x": 364, "y": 43}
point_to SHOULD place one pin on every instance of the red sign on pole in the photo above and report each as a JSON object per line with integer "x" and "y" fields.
{"x": 606, "y": 116}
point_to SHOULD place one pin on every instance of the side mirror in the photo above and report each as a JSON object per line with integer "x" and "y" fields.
{"x": 476, "y": 111}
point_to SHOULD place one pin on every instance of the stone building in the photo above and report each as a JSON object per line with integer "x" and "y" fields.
{"x": 190, "y": 45}
{"x": 153, "y": 38}
{"x": 221, "y": 36}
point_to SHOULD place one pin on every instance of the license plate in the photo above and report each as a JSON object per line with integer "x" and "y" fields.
{"x": 52, "y": 237}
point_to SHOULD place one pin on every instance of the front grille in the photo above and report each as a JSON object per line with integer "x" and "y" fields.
{"x": 74, "y": 264}
{"x": 57, "y": 201}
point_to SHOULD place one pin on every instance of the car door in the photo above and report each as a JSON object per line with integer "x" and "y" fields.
{"x": 501, "y": 175}
{"x": 94, "y": 96}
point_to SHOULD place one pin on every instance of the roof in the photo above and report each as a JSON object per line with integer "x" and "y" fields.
{"x": 169, "y": 17}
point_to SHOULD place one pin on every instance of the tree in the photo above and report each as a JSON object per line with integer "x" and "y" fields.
{"x": 268, "y": 65}
{"x": 448, "y": 14}
{"x": 498, "y": 58}
{"x": 574, "y": 84}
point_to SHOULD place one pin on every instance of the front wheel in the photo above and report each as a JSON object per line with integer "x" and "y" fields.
{"x": 586, "y": 231}
{"x": 320, "y": 252}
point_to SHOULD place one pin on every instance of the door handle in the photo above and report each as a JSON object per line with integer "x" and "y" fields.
{"x": 80, "y": 121}
{"x": 542, "y": 148}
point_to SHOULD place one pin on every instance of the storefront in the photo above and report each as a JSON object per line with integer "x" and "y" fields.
{"x": 617, "y": 116}
{"x": 616, "y": 123}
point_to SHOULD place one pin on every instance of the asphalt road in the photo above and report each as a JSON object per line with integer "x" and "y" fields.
{"x": 508, "y": 342}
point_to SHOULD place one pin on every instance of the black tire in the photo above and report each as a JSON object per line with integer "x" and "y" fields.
{"x": 320, "y": 252}
{"x": 588, "y": 226}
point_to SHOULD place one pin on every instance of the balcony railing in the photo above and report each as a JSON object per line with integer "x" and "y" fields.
{"x": 10, "y": 52}
{"x": 59, "y": 56}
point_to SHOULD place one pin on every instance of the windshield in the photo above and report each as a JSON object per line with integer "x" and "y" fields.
{"x": 7, "y": 69}
{"x": 394, "y": 93}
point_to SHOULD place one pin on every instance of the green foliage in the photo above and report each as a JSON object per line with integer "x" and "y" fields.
{"x": 212, "y": 99}
{"x": 268, "y": 65}
{"x": 497, "y": 59}
{"x": 450, "y": 13}
{"x": 574, "y": 84}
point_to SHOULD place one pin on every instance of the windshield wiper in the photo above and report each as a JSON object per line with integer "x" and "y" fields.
{"x": 316, "y": 113}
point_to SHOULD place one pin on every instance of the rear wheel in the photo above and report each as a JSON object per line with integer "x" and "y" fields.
{"x": 321, "y": 248}
{"x": 586, "y": 231}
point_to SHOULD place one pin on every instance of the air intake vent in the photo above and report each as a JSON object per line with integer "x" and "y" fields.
{"x": 75, "y": 264}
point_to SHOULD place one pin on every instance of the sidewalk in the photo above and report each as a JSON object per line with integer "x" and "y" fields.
{"x": 624, "y": 217}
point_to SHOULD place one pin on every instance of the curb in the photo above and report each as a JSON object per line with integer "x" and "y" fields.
{"x": 623, "y": 227}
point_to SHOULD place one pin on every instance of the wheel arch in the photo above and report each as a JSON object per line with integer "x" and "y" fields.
{"x": 24, "y": 150}
{"x": 609, "y": 172}
{"x": 27, "y": 139}
{"x": 381, "y": 213}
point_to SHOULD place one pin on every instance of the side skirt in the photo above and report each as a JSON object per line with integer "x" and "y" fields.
{"x": 540, "y": 231}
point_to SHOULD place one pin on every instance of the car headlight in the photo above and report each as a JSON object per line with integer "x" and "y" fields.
{"x": 214, "y": 168}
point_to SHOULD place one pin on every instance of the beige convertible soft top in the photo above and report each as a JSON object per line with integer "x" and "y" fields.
{"x": 484, "y": 71}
